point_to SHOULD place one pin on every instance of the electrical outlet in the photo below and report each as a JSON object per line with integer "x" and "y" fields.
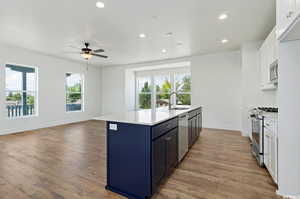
{"x": 113, "y": 127}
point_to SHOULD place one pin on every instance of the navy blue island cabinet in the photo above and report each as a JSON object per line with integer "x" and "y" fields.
{"x": 140, "y": 157}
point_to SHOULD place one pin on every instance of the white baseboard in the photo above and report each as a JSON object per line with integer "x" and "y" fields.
{"x": 44, "y": 125}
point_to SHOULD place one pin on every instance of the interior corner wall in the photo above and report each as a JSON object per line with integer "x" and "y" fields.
{"x": 51, "y": 90}
{"x": 130, "y": 89}
{"x": 113, "y": 89}
{"x": 215, "y": 86}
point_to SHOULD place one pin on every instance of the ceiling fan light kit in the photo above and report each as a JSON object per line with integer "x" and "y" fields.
{"x": 87, "y": 53}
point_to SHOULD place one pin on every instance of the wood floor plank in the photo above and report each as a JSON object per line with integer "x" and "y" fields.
{"x": 69, "y": 162}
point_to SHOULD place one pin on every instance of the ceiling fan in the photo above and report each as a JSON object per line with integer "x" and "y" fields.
{"x": 87, "y": 53}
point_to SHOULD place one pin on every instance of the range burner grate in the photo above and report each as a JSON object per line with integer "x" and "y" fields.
{"x": 269, "y": 109}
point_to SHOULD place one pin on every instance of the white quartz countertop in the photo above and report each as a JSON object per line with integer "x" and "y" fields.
{"x": 144, "y": 117}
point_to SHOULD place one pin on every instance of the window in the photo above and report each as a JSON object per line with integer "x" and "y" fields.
{"x": 144, "y": 92}
{"x": 20, "y": 91}
{"x": 183, "y": 89}
{"x": 164, "y": 83}
{"x": 163, "y": 90}
{"x": 74, "y": 92}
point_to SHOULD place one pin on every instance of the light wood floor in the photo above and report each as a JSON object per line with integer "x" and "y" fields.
{"x": 70, "y": 162}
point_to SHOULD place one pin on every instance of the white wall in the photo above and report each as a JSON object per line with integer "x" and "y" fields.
{"x": 51, "y": 85}
{"x": 289, "y": 120}
{"x": 118, "y": 85}
{"x": 113, "y": 89}
{"x": 252, "y": 95}
{"x": 215, "y": 86}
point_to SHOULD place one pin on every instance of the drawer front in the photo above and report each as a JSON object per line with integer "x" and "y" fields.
{"x": 164, "y": 127}
{"x": 192, "y": 114}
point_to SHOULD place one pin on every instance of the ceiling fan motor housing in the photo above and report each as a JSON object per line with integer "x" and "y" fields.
{"x": 86, "y": 50}
{"x": 87, "y": 53}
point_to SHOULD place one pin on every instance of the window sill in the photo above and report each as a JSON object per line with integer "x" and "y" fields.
{"x": 75, "y": 111}
{"x": 22, "y": 117}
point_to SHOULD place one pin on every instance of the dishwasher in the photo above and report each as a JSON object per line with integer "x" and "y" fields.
{"x": 183, "y": 136}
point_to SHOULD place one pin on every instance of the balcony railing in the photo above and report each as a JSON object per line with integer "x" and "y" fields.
{"x": 20, "y": 110}
{"x": 73, "y": 107}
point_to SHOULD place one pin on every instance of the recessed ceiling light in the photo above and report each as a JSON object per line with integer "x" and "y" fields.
{"x": 163, "y": 50}
{"x": 99, "y": 4}
{"x": 179, "y": 44}
{"x": 142, "y": 35}
{"x": 223, "y": 16}
{"x": 224, "y": 41}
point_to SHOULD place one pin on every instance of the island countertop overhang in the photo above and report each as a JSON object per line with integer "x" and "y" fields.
{"x": 145, "y": 117}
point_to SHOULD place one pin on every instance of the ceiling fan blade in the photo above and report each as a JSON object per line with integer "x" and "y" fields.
{"x": 97, "y": 55}
{"x": 98, "y": 51}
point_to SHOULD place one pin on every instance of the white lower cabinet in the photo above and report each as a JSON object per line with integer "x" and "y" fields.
{"x": 273, "y": 159}
{"x": 270, "y": 152}
{"x": 267, "y": 143}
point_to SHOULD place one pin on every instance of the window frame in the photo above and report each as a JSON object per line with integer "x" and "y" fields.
{"x": 172, "y": 72}
{"x": 170, "y": 78}
{"x": 36, "y": 92}
{"x": 137, "y": 91}
{"x": 181, "y": 92}
{"x": 82, "y": 92}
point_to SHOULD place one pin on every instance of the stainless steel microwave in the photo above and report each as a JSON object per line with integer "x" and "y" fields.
{"x": 274, "y": 72}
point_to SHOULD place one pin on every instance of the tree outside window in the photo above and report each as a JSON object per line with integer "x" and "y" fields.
{"x": 183, "y": 89}
{"x": 163, "y": 90}
{"x": 144, "y": 92}
{"x": 164, "y": 85}
{"x": 74, "y": 95}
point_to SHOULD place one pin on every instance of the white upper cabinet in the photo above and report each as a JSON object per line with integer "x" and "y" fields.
{"x": 287, "y": 14}
{"x": 268, "y": 55}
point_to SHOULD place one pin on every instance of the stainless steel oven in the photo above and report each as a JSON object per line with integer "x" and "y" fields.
{"x": 183, "y": 137}
{"x": 258, "y": 138}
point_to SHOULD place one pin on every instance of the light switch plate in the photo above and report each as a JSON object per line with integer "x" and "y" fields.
{"x": 113, "y": 127}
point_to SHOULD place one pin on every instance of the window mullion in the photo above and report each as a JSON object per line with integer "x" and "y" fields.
{"x": 136, "y": 94}
{"x": 153, "y": 93}
{"x": 173, "y": 88}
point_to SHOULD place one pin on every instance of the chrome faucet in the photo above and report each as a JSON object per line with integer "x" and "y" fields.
{"x": 170, "y": 102}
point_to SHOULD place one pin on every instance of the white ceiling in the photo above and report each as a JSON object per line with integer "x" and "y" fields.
{"x": 52, "y": 26}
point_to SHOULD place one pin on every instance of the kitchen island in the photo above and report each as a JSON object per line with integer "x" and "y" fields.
{"x": 142, "y": 148}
